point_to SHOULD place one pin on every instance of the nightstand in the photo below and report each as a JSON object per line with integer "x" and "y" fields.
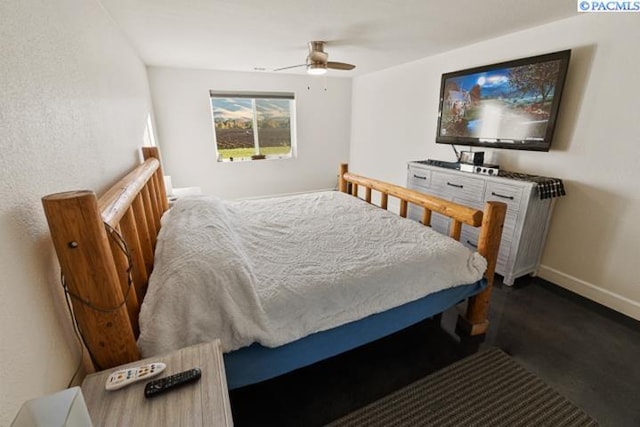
{"x": 204, "y": 403}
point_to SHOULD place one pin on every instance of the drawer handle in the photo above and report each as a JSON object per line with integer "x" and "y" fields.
{"x": 501, "y": 195}
{"x": 455, "y": 185}
{"x": 419, "y": 177}
{"x": 470, "y": 243}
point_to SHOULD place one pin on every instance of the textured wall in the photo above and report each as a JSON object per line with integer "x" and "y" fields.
{"x": 594, "y": 237}
{"x": 74, "y": 101}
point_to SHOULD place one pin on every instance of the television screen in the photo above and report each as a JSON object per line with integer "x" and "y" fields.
{"x": 512, "y": 104}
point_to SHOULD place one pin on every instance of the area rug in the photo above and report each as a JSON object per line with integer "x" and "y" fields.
{"x": 486, "y": 389}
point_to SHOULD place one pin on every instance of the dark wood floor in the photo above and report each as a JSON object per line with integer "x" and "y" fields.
{"x": 586, "y": 352}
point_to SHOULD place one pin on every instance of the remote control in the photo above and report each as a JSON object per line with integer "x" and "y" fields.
{"x": 159, "y": 386}
{"x": 124, "y": 377}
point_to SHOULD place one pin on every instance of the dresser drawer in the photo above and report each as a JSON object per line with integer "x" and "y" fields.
{"x": 509, "y": 194}
{"x": 458, "y": 187}
{"x": 418, "y": 179}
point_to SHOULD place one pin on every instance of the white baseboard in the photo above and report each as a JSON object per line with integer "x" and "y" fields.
{"x": 588, "y": 290}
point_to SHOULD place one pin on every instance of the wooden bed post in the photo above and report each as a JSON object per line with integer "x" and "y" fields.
{"x": 89, "y": 270}
{"x": 475, "y": 321}
{"x": 342, "y": 183}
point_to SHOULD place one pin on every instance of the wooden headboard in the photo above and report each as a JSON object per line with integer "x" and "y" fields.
{"x": 105, "y": 247}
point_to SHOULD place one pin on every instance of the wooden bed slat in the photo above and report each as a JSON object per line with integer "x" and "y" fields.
{"x": 149, "y": 217}
{"x": 126, "y": 283}
{"x": 155, "y": 203}
{"x": 161, "y": 196}
{"x": 130, "y": 234}
{"x": 456, "y": 229}
{"x": 426, "y": 217}
{"x": 158, "y": 197}
{"x": 143, "y": 233}
{"x": 403, "y": 208}
{"x": 384, "y": 200}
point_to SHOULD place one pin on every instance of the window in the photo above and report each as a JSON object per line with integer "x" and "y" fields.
{"x": 251, "y": 126}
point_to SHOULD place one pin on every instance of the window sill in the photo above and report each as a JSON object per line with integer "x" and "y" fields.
{"x": 249, "y": 159}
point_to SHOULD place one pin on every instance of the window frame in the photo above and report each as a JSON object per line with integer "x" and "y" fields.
{"x": 253, "y": 96}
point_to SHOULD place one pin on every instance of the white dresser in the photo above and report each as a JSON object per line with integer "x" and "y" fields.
{"x": 526, "y": 223}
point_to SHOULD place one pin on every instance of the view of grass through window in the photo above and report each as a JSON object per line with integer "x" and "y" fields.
{"x": 249, "y": 127}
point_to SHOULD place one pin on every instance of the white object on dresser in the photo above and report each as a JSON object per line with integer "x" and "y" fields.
{"x": 205, "y": 403}
{"x": 525, "y": 225}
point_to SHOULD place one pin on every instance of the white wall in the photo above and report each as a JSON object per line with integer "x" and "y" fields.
{"x": 74, "y": 100}
{"x": 594, "y": 240}
{"x": 185, "y": 132}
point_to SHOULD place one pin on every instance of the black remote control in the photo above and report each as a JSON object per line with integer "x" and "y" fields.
{"x": 161, "y": 385}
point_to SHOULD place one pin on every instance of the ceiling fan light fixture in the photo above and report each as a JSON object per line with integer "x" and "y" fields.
{"x": 316, "y": 69}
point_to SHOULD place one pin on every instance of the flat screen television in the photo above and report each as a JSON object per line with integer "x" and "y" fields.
{"x": 511, "y": 104}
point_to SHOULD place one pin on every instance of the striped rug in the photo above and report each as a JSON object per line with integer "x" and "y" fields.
{"x": 486, "y": 389}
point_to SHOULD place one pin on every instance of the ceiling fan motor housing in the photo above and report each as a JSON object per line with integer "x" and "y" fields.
{"x": 317, "y": 56}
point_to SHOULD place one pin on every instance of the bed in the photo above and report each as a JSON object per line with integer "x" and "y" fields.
{"x": 128, "y": 278}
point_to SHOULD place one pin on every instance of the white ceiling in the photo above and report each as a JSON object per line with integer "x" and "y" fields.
{"x": 242, "y": 35}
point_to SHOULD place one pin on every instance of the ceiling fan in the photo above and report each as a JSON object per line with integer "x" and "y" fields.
{"x": 317, "y": 60}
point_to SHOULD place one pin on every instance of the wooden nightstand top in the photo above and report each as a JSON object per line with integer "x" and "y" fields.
{"x": 204, "y": 403}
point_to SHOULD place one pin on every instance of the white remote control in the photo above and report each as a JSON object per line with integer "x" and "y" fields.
{"x": 124, "y": 377}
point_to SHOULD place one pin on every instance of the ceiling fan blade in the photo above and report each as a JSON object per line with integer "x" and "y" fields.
{"x": 340, "y": 65}
{"x": 293, "y": 66}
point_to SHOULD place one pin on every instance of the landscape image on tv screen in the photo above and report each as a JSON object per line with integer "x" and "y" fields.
{"x": 506, "y": 105}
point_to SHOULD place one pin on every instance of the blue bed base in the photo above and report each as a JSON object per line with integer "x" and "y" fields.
{"x": 255, "y": 363}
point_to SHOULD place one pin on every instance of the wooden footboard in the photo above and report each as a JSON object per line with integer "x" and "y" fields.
{"x": 490, "y": 221}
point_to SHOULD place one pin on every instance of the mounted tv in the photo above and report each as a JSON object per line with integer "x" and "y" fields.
{"x": 511, "y": 104}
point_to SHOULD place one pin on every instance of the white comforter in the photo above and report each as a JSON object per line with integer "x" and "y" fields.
{"x": 275, "y": 270}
